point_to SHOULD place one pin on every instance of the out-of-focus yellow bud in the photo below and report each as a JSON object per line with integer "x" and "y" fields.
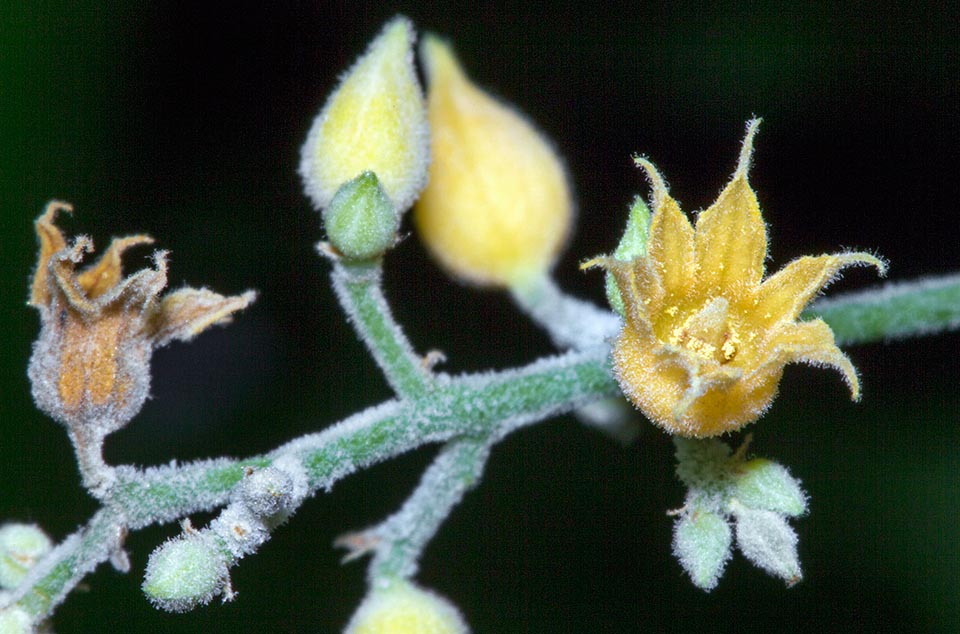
{"x": 374, "y": 121}
{"x": 497, "y": 208}
{"x": 403, "y": 608}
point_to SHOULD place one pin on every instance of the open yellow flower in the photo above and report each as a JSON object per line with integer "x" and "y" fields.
{"x": 705, "y": 338}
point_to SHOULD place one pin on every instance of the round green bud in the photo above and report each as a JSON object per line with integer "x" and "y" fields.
{"x": 21, "y": 546}
{"x": 184, "y": 572}
{"x": 267, "y": 492}
{"x": 361, "y": 221}
{"x": 403, "y": 608}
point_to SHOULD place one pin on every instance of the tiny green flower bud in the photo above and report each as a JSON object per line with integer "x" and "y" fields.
{"x": 701, "y": 541}
{"x": 21, "y": 546}
{"x": 361, "y": 222}
{"x": 266, "y": 492}
{"x": 403, "y": 608}
{"x": 14, "y": 620}
{"x": 375, "y": 120}
{"x": 632, "y": 245}
{"x": 766, "y": 539}
{"x": 768, "y": 486}
{"x": 185, "y": 572}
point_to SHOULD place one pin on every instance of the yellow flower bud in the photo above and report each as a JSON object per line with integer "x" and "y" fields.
{"x": 497, "y": 207}
{"x": 403, "y": 608}
{"x": 374, "y": 121}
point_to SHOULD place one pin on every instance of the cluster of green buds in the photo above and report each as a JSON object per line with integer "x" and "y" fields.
{"x": 193, "y": 568}
{"x": 756, "y": 496}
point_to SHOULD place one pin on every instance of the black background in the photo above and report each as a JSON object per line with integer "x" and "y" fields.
{"x": 184, "y": 120}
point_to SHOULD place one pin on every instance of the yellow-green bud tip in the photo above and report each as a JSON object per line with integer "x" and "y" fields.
{"x": 21, "y": 546}
{"x": 497, "y": 208}
{"x": 361, "y": 222}
{"x": 374, "y": 121}
{"x": 403, "y": 608}
{"x": 14, "y": 620}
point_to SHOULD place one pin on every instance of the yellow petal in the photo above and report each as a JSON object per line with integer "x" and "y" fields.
{"x": 784, "y": 295}
{"x": 731, "y": 237}
{"x": 810, "y": 342}
{"x": 640, "y": 289}
{"x": 497, "y": 207}
{"x": 188, "y": 312}
{"x": 51, "y": 241}
{"x": 671, "y": 240}
{"x": 108, "y": 270}
{"x": 374, "y": 121}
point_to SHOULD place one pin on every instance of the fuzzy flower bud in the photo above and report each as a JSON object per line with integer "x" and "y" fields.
{"x": 361, "y": 222}
{"x": 185, "y": 572}
{"x": 374, "y": 121}
{"x": 497, "y": 208}
{"x": 21, "y": 546}
{"x": 403, "y": 608}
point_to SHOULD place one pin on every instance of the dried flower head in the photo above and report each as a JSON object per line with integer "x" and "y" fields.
{"x": 705, "y": 338}
{"x": 90, "y": 368}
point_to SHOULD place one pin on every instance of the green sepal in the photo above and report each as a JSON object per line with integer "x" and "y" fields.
{"x": 632, "y": 245}
{"x": 361, "y": 221}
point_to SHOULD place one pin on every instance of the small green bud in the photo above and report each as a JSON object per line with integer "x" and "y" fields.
{"x": 21, "y": 546}
{"x": 766, "y": 539}
{"x": 14, "y": 620}
{"x": 267, "y": 493}
{"x": 184, "y": 572}
{"x": 701, "y": 541}
{"x": 632, "y": 245}
{"x": 361, "y": 222}
{"x": 768, "y": 486}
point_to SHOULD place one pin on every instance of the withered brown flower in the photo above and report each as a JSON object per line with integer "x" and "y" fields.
{"x": 90, "y": 368}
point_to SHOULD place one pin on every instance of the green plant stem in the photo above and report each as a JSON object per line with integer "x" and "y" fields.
{"x": 488, "y": 405}
{"x": 570, "y": 322}
{"x": 894, "y": 311}
{"x": 402, "y": 538}
{"x": 359, "y": 291}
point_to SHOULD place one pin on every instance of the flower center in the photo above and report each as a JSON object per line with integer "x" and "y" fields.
{"x": 708, "y": 333}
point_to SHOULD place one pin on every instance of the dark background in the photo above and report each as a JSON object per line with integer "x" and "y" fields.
{"x": 184, "y": 120}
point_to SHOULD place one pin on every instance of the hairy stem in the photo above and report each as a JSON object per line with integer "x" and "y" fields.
{"x": 895, "y": 311}
{"x": 402, "y": 538}
{"x": 488, "y": 404}
{"x": 358, "y": 289}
